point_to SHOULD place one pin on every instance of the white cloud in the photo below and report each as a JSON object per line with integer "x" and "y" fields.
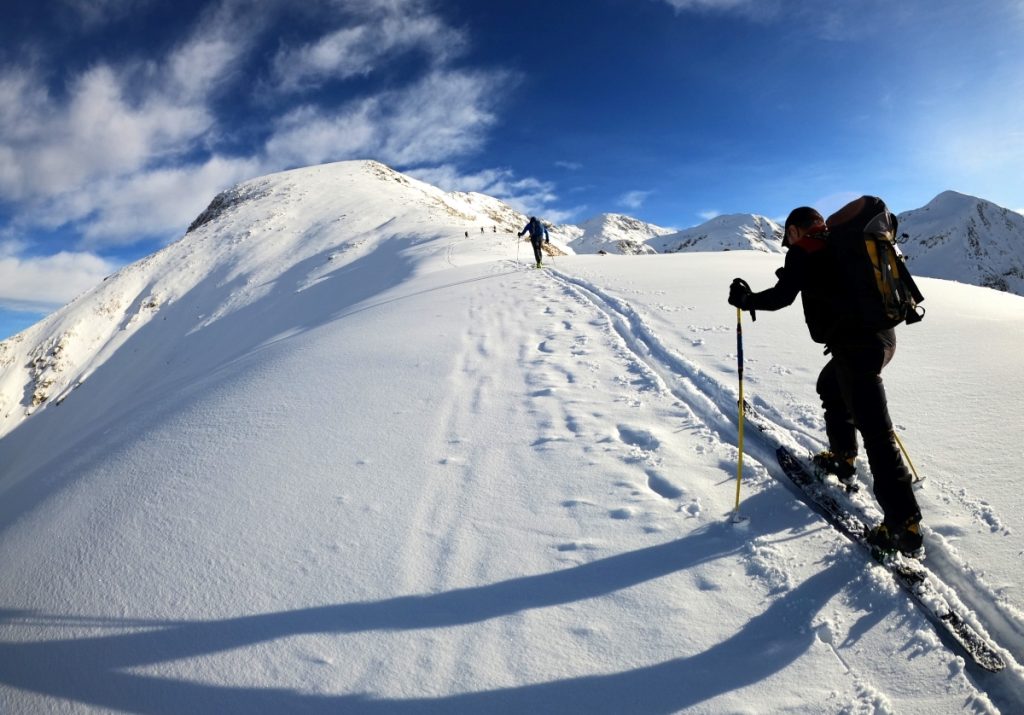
{"x": 108, "y": 155}
{"x": 351, "y": 51}
{"x": 114, "y": 121}
{"x": 54, "y": 148}
{"x": 44, "y": 283}
{"x": 443, "y": 115}
{"x": 172, "y": 197}
{"x": 129, "y": 151}
{"x": 201, "y": 64}
{"x": 634, "y": 199}
{"x": 708, "y": 215}
{"x": 527, "y": 195}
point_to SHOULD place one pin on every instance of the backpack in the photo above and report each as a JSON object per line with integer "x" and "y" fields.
{"x": 536, "y": 229}
{"x": 878, "y": 291}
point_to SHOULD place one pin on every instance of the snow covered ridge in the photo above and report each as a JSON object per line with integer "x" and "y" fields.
{"x": 280, "y": 233}
{"x": 966, "y": 239}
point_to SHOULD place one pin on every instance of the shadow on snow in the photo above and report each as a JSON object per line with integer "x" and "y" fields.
{"x": 94, "y": 669}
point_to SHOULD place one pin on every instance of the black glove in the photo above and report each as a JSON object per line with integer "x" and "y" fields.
{"x": 739, "y": 295}
{"x": 547, "y": 240}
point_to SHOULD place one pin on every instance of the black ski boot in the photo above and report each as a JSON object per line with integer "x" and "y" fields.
{"x": 841, "y": 467}
{"x": 887, "y": 540}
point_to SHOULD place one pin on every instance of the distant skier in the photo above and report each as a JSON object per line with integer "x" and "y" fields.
{"x": 850, "y": 384}
{"x": 538, "y": 236}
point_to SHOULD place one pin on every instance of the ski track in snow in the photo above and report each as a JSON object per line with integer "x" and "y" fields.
{"x": 713, "y": 403}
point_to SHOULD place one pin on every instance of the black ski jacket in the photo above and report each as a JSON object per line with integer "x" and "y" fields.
{"x": 809, "y": 271}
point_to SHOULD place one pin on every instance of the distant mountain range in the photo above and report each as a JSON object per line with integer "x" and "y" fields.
{"x": 615, "y": 233}
{"x": 955, "y": 236}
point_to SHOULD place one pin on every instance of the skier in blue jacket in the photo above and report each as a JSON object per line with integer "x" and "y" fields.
{"x": 538, "y": 235}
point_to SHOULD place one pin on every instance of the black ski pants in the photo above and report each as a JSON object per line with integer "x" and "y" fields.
{"x": 536, "y": 243}
{"x": 852, "y": 393}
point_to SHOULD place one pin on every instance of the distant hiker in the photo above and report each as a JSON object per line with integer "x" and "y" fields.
{"x": 538, "y": 235}
{"x": 481, "y": 229}
{"x": 467, "y": 234}
{"x": 850, "y": 384}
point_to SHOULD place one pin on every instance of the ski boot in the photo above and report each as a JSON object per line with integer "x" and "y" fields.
{"x": 886, "y": 540}
{"x": 842, "y": 468}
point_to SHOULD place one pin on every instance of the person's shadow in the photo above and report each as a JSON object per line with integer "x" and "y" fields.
{"x": 96, "y": 669}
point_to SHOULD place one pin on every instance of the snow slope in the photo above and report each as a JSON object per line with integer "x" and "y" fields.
{"x": 729, "y": 232}
{"x": 329, "y": 454}
{"x": 966, "y": 239}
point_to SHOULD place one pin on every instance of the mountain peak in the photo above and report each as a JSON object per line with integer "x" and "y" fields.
{"x": 952, "y": 199}
{"x": 725, "y": 233}
{"x": 963, "y": 238}
{"x": 615, "y": 233}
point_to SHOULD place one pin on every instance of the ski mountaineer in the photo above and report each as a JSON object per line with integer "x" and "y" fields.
{"x": 538, "y": 235}
{"x": 850, "y": 384}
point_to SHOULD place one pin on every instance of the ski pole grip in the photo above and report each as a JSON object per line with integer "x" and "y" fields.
{"x": 742, "y": 283}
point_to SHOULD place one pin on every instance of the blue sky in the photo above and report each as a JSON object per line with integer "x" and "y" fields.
{"x": 120, "y": 119}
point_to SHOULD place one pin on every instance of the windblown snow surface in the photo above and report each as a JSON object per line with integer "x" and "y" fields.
{"x": 326, "y": 454}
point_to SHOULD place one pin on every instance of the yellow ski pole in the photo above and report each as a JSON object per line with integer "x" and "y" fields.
{"x": 739, "y": 362}
{"x": 904, "y": 450}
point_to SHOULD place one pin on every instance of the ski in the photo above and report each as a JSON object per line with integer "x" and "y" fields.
{"x": 916, "y": 579}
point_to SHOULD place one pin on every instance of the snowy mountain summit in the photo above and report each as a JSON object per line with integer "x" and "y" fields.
{"x": 966, "y": 239}
{"x": 616, "y": 233}
{"x": 258, "y": 252}
{"x": 731, "y": 232}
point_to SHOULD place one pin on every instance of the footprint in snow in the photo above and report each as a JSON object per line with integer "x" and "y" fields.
{"x": 638, "y": 437}
{"x": 662, "y": 486}
{"x": 577, "y": 546}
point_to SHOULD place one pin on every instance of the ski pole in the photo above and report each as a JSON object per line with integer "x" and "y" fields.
{"x": 739, "y": 362}
{"x": 904, "y": 450}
